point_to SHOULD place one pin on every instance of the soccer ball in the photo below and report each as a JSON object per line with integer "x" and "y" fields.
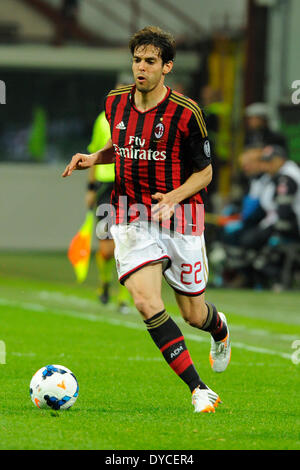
{"x": 54, "y": 387}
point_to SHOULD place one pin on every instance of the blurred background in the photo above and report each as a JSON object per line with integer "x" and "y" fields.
{"x": 237, "y": 58}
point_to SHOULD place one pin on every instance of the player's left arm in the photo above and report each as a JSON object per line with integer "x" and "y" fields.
{"x": 198, "y": 180}
{"x": 166, "y": 203}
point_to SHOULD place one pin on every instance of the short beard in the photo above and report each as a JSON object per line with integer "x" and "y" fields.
{"x": 141, "y": 89}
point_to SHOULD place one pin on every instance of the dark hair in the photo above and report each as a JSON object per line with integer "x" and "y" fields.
{"x": 156, "y": 37}
{"x": 272, "y": 151}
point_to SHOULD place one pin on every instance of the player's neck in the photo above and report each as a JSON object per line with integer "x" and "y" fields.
{"x": 147, "y": 100}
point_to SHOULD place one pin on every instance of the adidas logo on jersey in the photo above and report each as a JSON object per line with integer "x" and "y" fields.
{"x": 121, "y": 126}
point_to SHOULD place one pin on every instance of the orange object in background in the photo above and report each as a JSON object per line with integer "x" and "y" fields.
{"x": 80, "y": 248}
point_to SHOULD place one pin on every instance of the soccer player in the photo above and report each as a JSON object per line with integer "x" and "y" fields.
{"x": 163, "y": 163}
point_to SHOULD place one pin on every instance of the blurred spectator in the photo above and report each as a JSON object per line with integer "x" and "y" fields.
{"x": 286, "y": 178}
{"x": 284, "y": 218}
{"x": 234, "y": 264}
{"x": 257, "y": 134}
{"x": 258, "y": 130}
{"x": 255, "y": 246}
{"x": 253, "y": 204}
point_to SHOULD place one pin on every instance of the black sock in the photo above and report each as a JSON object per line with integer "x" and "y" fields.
{"x": 169, "y": 339}
{"x": 214, "y": 324}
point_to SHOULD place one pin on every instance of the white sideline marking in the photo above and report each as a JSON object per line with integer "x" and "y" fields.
{"x": 19, "y": 354}
{"x": 2, "y": 352}
{"x": 112, "y": 321}
{"x": 145, "y": 359}
{"x": 76, "y": 301}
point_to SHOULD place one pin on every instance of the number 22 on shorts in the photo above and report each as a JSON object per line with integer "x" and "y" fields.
{"x": 189, "y": 270}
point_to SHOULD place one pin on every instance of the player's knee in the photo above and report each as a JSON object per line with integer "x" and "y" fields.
{"x": 144, "y": 304}
{"x": 147, "y": 305}
{"x": 141, "y": 304}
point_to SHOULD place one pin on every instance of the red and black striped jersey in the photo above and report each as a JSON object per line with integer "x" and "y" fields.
{"x": 156, "y": 150}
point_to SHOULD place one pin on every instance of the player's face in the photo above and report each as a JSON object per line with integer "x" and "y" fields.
{"x": 148, "y": 68}
{"x": 255, "y": 122}
{"x": 250, "y": 162}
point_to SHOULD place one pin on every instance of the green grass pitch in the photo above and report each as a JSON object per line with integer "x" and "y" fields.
{"x": 128, "y": 397}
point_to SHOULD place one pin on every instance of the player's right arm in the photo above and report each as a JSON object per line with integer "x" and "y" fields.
{"x": 82, "y": 161}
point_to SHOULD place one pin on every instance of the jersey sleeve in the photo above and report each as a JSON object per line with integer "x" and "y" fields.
{"x": 197, "y": 142}
{"x": 106, "y": 109}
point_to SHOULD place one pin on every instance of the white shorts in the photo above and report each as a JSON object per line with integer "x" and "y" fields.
{"x": 183, "y": 257}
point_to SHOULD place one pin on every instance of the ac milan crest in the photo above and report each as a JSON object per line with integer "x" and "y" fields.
{"x": 159, "y": 130}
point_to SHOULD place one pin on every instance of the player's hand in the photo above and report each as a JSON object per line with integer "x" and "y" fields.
{"x": 80, "y": 161}
{"x": 165, "y": 207}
